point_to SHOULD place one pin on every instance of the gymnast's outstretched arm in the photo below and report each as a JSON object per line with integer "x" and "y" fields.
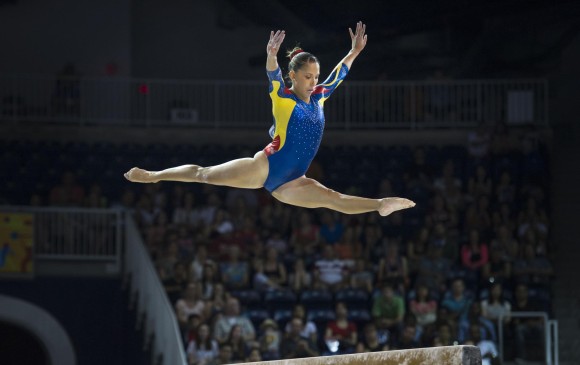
{"x": 272, "y": 49}
{"x": 359, "y": 41}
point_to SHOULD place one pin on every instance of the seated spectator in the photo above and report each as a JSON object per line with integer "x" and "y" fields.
{"x": 218, "y": 300}
{"x": 371, "y": 342}
{"x": 454, "y": 198}
{"x": 277, "y": 242}
{"x": 207, "y": 212}
{"x": 526, "y": 329}
{"x": 417, "y": 249}
{"x": 238, "y": 208}
{"x": 262, "y": 281}
{"x": 479, "y": 183}
{"x": 444, "y": 336}
{"x": 237, "y": 343}
{"x": 440, "y": 237}
{"x": 331, "y": 228}
{"x": 203, "y": 349}
{"x": 342, "y": 330}
{"x": 362, "y": 277}
{"x": 210, "y": 279}
{"x": 456, "y": 301}
{"x": 175, "y": 285}
{"x": 408, "y": 338}
{"x": 488, "y": 349}
{"x": 448, "y": 177}
{"x": 276, "y": 216}
{"x": 186, "y": 212}
{"x": 274, "y": 269}
{"x": 478, "y": 216}
{"x": 185, "y": 242}
{"x": 423, "y": 307}
{"x": 505, "y": 244}
{"x": 145, "y": 211}
{"x": 349, "y": 246}
{"x": 247, "y": 234}
{"x": 231, "y": 317}
{"x": 234, "y": 273}
{"x": 270, "y": 340}
{"x": 393, "y": 268}
{"x": 95, "y": 197}
{"x": 496, "y": 305}
{"x": 221, "y": 233}
{"x": 68, "y": 193}
{"x": 294, "y": 345}
{"x": 505, "y": 191}
{"x": 224, "y": 357}
{"x": 198, "y": 263}
{"x": 330, "y": 272}
{"x": 487, "y": 327}
{"x": 474, "y": 255}
{"x": 305, "y": 236}
{"x": 372, "y": 240}
{"x": 504, "y": 216}
{"x": 190, "y": 303}
{"x": 531, "y": 269}
{"x": 440, "y": 214}
{"x": 497, "y": 269}
{"x": 533, "y": 218}
{"x": 478, "y": 142}
{"x": 170, "y": 256}
{"x": 300, "y": 279}
{"x": 193, "y": 322}
{"x": 433, "y": 269}
{"x": 254, "y": 355}
{"x": 419, "y": 173}
{"x": 388, "y": 311}
{"x": 309, "y": 329}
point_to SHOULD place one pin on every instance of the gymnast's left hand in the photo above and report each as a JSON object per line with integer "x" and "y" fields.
{"x": 358, "y": 38}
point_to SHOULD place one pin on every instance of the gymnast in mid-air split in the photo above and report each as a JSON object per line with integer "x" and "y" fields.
{"x": 296, "y": 135}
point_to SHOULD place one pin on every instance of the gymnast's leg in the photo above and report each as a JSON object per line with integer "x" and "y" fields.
{"x": 249, "y": 173}
{"x": 309, "y": 193}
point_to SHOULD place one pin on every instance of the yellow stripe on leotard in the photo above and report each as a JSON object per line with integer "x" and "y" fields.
{"x": 333, "y": 79}
{"x": 282, "y": 110}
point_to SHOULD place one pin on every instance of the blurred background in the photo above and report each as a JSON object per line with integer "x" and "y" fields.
{"x": 469, "y": 109}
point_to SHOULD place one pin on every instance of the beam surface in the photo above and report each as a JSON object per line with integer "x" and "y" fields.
{"x": 444, "y": 355}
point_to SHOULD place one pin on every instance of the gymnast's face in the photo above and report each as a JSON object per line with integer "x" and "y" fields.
{"x": 305, "y": 79}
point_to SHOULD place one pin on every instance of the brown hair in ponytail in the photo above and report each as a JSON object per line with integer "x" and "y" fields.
{"x": 298, "y": 58}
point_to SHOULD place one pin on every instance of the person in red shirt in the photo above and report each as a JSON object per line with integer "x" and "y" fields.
{"x": 341, "y": 330}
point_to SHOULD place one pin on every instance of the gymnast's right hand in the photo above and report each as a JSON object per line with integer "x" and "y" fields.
{"x": 275, "y": 42}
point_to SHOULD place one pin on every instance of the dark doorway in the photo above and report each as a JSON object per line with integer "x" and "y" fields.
{"x": 20, "y": 347}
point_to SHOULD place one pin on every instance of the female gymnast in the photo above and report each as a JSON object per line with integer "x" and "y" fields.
{"x": 296, "y": 135}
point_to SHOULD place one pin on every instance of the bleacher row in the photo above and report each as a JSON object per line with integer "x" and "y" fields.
{"x": 38, "y": 166}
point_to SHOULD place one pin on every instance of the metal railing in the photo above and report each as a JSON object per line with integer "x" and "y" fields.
{"x": 152, "y": 303}
{"x": 356, "y": 104}
{"x": 75, "y": 233}
{"x": 550, "y": 334}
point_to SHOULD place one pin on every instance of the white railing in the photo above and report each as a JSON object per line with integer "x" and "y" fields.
{"x": 75, "y": 233}
{"x": 152, "y": 303}
{"x": 356, "y": 104}
{"x": 550, "y": 334}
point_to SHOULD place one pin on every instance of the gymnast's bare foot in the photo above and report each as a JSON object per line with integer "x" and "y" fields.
{"x": 390, "y": 205}
{"x": 141, "y": 176}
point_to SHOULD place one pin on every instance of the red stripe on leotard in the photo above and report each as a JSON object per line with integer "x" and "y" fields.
{"x": 273, "y": 147}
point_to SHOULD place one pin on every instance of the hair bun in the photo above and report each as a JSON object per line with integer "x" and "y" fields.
{"x": 295, "y": 52}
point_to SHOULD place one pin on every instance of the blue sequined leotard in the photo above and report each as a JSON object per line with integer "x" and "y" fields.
{"x": 298, "y": 127}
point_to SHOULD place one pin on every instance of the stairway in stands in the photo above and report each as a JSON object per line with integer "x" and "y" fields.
{"x": 566, "y": 237}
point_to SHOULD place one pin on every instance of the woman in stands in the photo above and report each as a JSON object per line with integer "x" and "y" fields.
{"x": 296, "y": 133}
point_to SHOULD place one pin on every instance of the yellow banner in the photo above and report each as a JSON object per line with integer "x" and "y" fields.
{"x": 16, "y": 243}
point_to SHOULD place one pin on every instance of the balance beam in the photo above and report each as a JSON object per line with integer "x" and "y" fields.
{"x": 444, "y": 355}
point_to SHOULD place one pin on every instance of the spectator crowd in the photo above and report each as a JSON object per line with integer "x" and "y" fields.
{"x": 253, "y": 279}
